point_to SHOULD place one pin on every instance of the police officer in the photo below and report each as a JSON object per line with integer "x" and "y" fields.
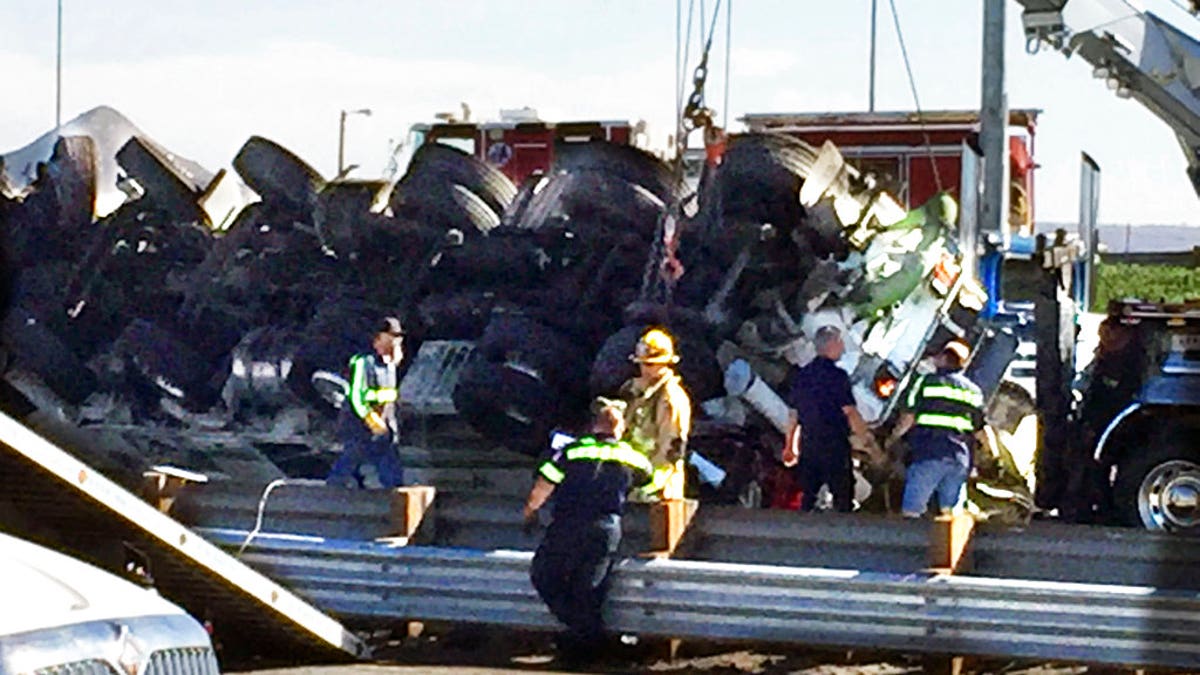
{"x": 942, "y": 423}
{"x": 367, "y": 427}
{"x": 589, "y": 479}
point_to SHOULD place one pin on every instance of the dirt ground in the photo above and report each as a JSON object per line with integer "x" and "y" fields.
{"x": 494, "y": 653}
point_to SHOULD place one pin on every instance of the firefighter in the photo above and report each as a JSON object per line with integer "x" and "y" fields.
{"x": 658, "y": 416}
{"x": 590, "y": 479}
{"x": 367, "y": 426}
{"x": 942, "y": 423}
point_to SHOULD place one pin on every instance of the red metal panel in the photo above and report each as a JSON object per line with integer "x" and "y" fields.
{"x": 532, "y": 150}
{"x": 618, "y": 134}
{"x": 921, "y": 182}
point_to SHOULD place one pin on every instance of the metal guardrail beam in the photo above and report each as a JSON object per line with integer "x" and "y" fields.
{"x": 368, "y": 583}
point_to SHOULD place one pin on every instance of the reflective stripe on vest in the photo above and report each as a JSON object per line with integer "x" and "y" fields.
{"x": 551, "y": 473}
{"x": 916, "y": 389}
{"x": 620, "y": 452}
{"x": 941, "y": 421}
{"x": 952, "y": 393}
{"x": 382, "y": 395}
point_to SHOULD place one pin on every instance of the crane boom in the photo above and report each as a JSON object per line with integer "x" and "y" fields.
{"x": 1140, "y": 56}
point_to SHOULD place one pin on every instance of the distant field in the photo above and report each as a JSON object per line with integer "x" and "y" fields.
{"x": 1146, "y": 282}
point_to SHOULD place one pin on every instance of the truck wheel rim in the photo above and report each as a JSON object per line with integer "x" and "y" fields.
{"x": 1169, "y": 498}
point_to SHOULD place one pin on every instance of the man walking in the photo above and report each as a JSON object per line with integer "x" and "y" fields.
{"x": 945, "y": 410}
{"x": 659, "y": 413}
{"x": 825, "y": 416}
{"x": 589, "y": 479}
{"x": 367, "y": 426}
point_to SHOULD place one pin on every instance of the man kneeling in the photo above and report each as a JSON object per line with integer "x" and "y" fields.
{"x": 590, "y": 479}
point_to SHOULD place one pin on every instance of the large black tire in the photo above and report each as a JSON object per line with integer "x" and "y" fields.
{"x": 281, "y": 178}
{"x": 489, "y": 263}
{"x": 168, "y": 363}
{"x": 620, "y": 161}
{"x": 35, "y": 348}
{"x": 537, "y": 350}
{"x": 508, "y": 406}
{"x": 760, "y": 179}
{"x": 455, "y": 316}
{"x": 599, "y": 206}
{"x": 435, "y": 163}
{"x": 443, "y": 205}
{"x": 1144, "y": 472}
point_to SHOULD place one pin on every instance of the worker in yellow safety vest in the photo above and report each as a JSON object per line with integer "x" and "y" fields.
{"x": 942, "y": 423}
{"x": 658, "y": 415}
{"x": 367, "y": 425}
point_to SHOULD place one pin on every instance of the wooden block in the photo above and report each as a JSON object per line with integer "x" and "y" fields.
{"x": 942, "y": 665}
{"x": 408, "y": 508}
{"x": 669, "y": 520}
{"x": 949, "y": 537}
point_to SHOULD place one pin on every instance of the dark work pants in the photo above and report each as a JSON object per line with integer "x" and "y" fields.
{"x": 358, "y": 448}
{"x": 571, "y": 570}
{"x": 813, "y": 472}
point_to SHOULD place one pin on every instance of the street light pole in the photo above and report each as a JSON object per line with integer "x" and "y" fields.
{"x": 58, "y": 74}
{"x": 871, "y": 88}
{"x": 341, "y": 160}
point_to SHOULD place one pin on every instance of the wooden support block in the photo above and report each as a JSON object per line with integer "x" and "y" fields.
{"x": 948, "y": 542}
{"x": 161, "y": 485}
{"x": 408, "y": 508}
{"x": 669, "y": 520}
{"x": 942, "y": 665}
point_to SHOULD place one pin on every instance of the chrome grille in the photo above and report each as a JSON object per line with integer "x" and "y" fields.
{"x": 183, "y": 661}
{"x": 88, "y": 667}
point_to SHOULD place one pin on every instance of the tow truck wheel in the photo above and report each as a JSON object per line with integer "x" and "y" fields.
{"x": 1160, "y": 491}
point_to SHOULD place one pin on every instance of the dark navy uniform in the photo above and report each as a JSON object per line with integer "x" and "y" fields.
{"x": 948, "y": 409}
{"x": 571, "y": 567}
{"x": 818, "y": 393}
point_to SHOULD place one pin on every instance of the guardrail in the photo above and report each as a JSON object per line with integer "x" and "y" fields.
{"x": 870, "y": 542}
{"x": 371, "y": 583}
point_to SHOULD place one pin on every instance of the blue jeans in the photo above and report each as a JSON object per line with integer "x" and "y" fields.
{"x": 944, "y": 476}
{"x": 361, "y": 448}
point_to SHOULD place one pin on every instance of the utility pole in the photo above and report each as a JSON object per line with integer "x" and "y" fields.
{"x": 993, "y": 121}
{"x": 871, "y": 91}
{"x": 58, "y": 74}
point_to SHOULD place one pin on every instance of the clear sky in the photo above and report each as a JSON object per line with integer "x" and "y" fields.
{"x": 201, "y": 77}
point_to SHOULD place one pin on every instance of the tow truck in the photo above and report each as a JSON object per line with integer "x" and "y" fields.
{"x": 1139, "y": 459}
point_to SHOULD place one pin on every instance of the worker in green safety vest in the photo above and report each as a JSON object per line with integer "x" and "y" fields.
{"x": 367, "y": 425}
{"x": 942, "y": 422}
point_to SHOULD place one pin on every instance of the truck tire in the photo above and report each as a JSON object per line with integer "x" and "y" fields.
{"x": 1154, "y": 487}
{"x": 168, "y": 363}
{"x": 35, "y": 348}
{"x": 440, "y": 163}
{"x": 443, "y": 205}
{"x": 620, "y": 161}
{"x": 536, "y": 349}
{"x": 508, "y": 407}
{"x": 760, "y": 178}
{"x": 281, "y": 178}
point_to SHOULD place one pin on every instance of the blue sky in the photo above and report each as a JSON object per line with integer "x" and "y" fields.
{"x": 202, "y": 77}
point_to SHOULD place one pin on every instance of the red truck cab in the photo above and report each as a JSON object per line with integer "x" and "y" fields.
{"x": 519, "y": 143}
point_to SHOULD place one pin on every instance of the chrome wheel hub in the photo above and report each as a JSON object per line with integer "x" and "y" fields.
{"x": 1169, "y": 497}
